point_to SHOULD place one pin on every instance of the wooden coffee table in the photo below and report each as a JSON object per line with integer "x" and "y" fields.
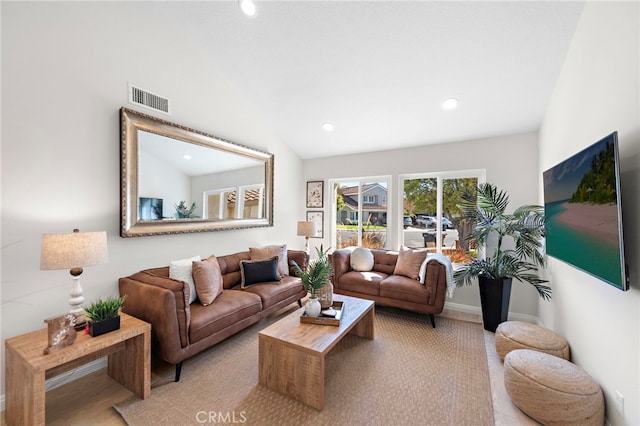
{"x": 291, "y": 354}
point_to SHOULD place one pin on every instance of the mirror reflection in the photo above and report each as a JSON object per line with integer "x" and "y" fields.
{"x": 178, "y": 180}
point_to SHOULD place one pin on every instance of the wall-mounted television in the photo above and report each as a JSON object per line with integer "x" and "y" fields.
{"x": 584, "y": 212}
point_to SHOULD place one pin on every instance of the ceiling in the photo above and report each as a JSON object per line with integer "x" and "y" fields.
{"x": 379, "y": 71}
{"x": 190, "y": 158}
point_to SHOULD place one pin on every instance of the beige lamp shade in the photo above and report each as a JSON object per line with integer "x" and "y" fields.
{"x": 73, "y": 250}
{"x": 307, "y": 229}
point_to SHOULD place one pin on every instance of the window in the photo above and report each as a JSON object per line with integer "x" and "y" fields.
{"x": 217, "y": 204}
{"x": 431, "y": 200}
{"x": 359, "y": 219}
{"x": 250, "y": 202}
{"x": 220, "y": 204}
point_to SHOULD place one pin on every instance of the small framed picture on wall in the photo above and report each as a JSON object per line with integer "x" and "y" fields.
{"x": 318, "y": 218}
{"x": 315, "y": 194}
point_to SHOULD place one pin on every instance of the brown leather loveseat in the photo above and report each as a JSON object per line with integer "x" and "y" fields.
{"x": 385, "y": 286}
{"x": 180, "y": 329}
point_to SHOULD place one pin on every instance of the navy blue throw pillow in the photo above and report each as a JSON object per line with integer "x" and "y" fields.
{"x": 258, "y": 271}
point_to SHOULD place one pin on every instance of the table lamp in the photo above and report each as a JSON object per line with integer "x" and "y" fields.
{"x": 73, "y": 251}
{"x": 306, "y": 229}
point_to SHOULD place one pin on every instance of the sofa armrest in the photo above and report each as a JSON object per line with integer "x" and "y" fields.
{"x": 341, "y": 264}
{"x": 163, "y": 302}
{"x": 300, "y": 257}
{"x": 435, "y": 280}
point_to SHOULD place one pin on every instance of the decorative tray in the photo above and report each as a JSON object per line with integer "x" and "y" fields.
{"x": 323, "y": 319}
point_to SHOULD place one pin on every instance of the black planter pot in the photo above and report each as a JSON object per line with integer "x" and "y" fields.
{"x": 105, "y": 326}
{"x": 494, "y": 298}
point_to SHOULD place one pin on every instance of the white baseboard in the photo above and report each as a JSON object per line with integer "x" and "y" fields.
{"x": 67, "y": 377}
{"x": 467, "y": 309}
{"x": 476, "y": 313}
{"x": 523, "y": 317}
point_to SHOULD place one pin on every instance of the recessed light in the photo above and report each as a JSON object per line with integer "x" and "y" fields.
{"x": 449, "y": 104}
{"x": 186, "y": 157}
{"x": 327, "y": 126}
{"x": 248, "y": 7}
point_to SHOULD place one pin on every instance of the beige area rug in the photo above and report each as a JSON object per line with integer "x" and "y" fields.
{"x": 410, "y": 374}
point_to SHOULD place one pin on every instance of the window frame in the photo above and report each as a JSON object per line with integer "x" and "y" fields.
{"x": 395, "y": 201}
{"x": 388, "y": 179}
{"x": 479, "y": 174}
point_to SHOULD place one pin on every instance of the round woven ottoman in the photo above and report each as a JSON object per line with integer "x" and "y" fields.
{"x": 552, "y": 390}
{"x": 512, "y": 335}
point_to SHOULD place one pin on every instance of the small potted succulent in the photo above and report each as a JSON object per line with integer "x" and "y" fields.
{"x": 104, "y": 315}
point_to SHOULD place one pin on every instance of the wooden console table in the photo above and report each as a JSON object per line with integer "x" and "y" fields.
{"x": 128, "y": 349}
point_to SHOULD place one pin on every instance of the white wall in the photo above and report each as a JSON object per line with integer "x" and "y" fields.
{"x": 65, "y": 70}
{"x": 598, "y": 92}
{"x": 159, "y": 179}
{"x": 509, "y": 161}
{"x": 229, "y": 179}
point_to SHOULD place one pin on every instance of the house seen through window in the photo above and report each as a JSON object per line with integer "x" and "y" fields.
{"x": 361, "y": 213}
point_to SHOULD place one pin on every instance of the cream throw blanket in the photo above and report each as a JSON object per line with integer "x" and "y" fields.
{"x": 444, "y": 260}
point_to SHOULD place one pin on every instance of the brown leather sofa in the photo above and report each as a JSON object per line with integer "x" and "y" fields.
{"x": 180, "y": 330}
{"x": 387, "y": 289}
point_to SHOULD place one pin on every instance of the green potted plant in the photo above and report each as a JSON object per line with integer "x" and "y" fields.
{"x": 104, "y": 315}
{"x": 314, "y": 278}
{"x": 525, "y": 227}
{"x": 183, "y": 211}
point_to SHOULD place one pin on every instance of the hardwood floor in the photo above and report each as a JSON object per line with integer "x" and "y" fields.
{"x": 86, "y": 401}
{"x": 90, "y": 400}
{"x": 504, "y": 412}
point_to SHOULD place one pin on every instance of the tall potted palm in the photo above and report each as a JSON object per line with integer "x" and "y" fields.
{"x": 525, "y": 227}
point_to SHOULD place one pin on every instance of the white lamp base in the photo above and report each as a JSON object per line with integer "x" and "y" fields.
{"x": 76, "y": 301}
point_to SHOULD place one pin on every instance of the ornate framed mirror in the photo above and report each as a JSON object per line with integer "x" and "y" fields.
{"x": 179, "y": 180}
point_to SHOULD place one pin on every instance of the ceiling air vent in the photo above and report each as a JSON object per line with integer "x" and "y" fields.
{"x": 147, "y": 99}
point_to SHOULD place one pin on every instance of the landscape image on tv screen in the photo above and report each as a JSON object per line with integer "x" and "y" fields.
{"x": 582, "y": 207}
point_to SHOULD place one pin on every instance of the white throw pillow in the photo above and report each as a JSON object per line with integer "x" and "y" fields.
{"x": 362, "y": 259}
{"x": 183, "y": 270}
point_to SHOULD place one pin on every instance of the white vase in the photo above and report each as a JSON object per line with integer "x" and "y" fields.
{"x": 312, "y": 307}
